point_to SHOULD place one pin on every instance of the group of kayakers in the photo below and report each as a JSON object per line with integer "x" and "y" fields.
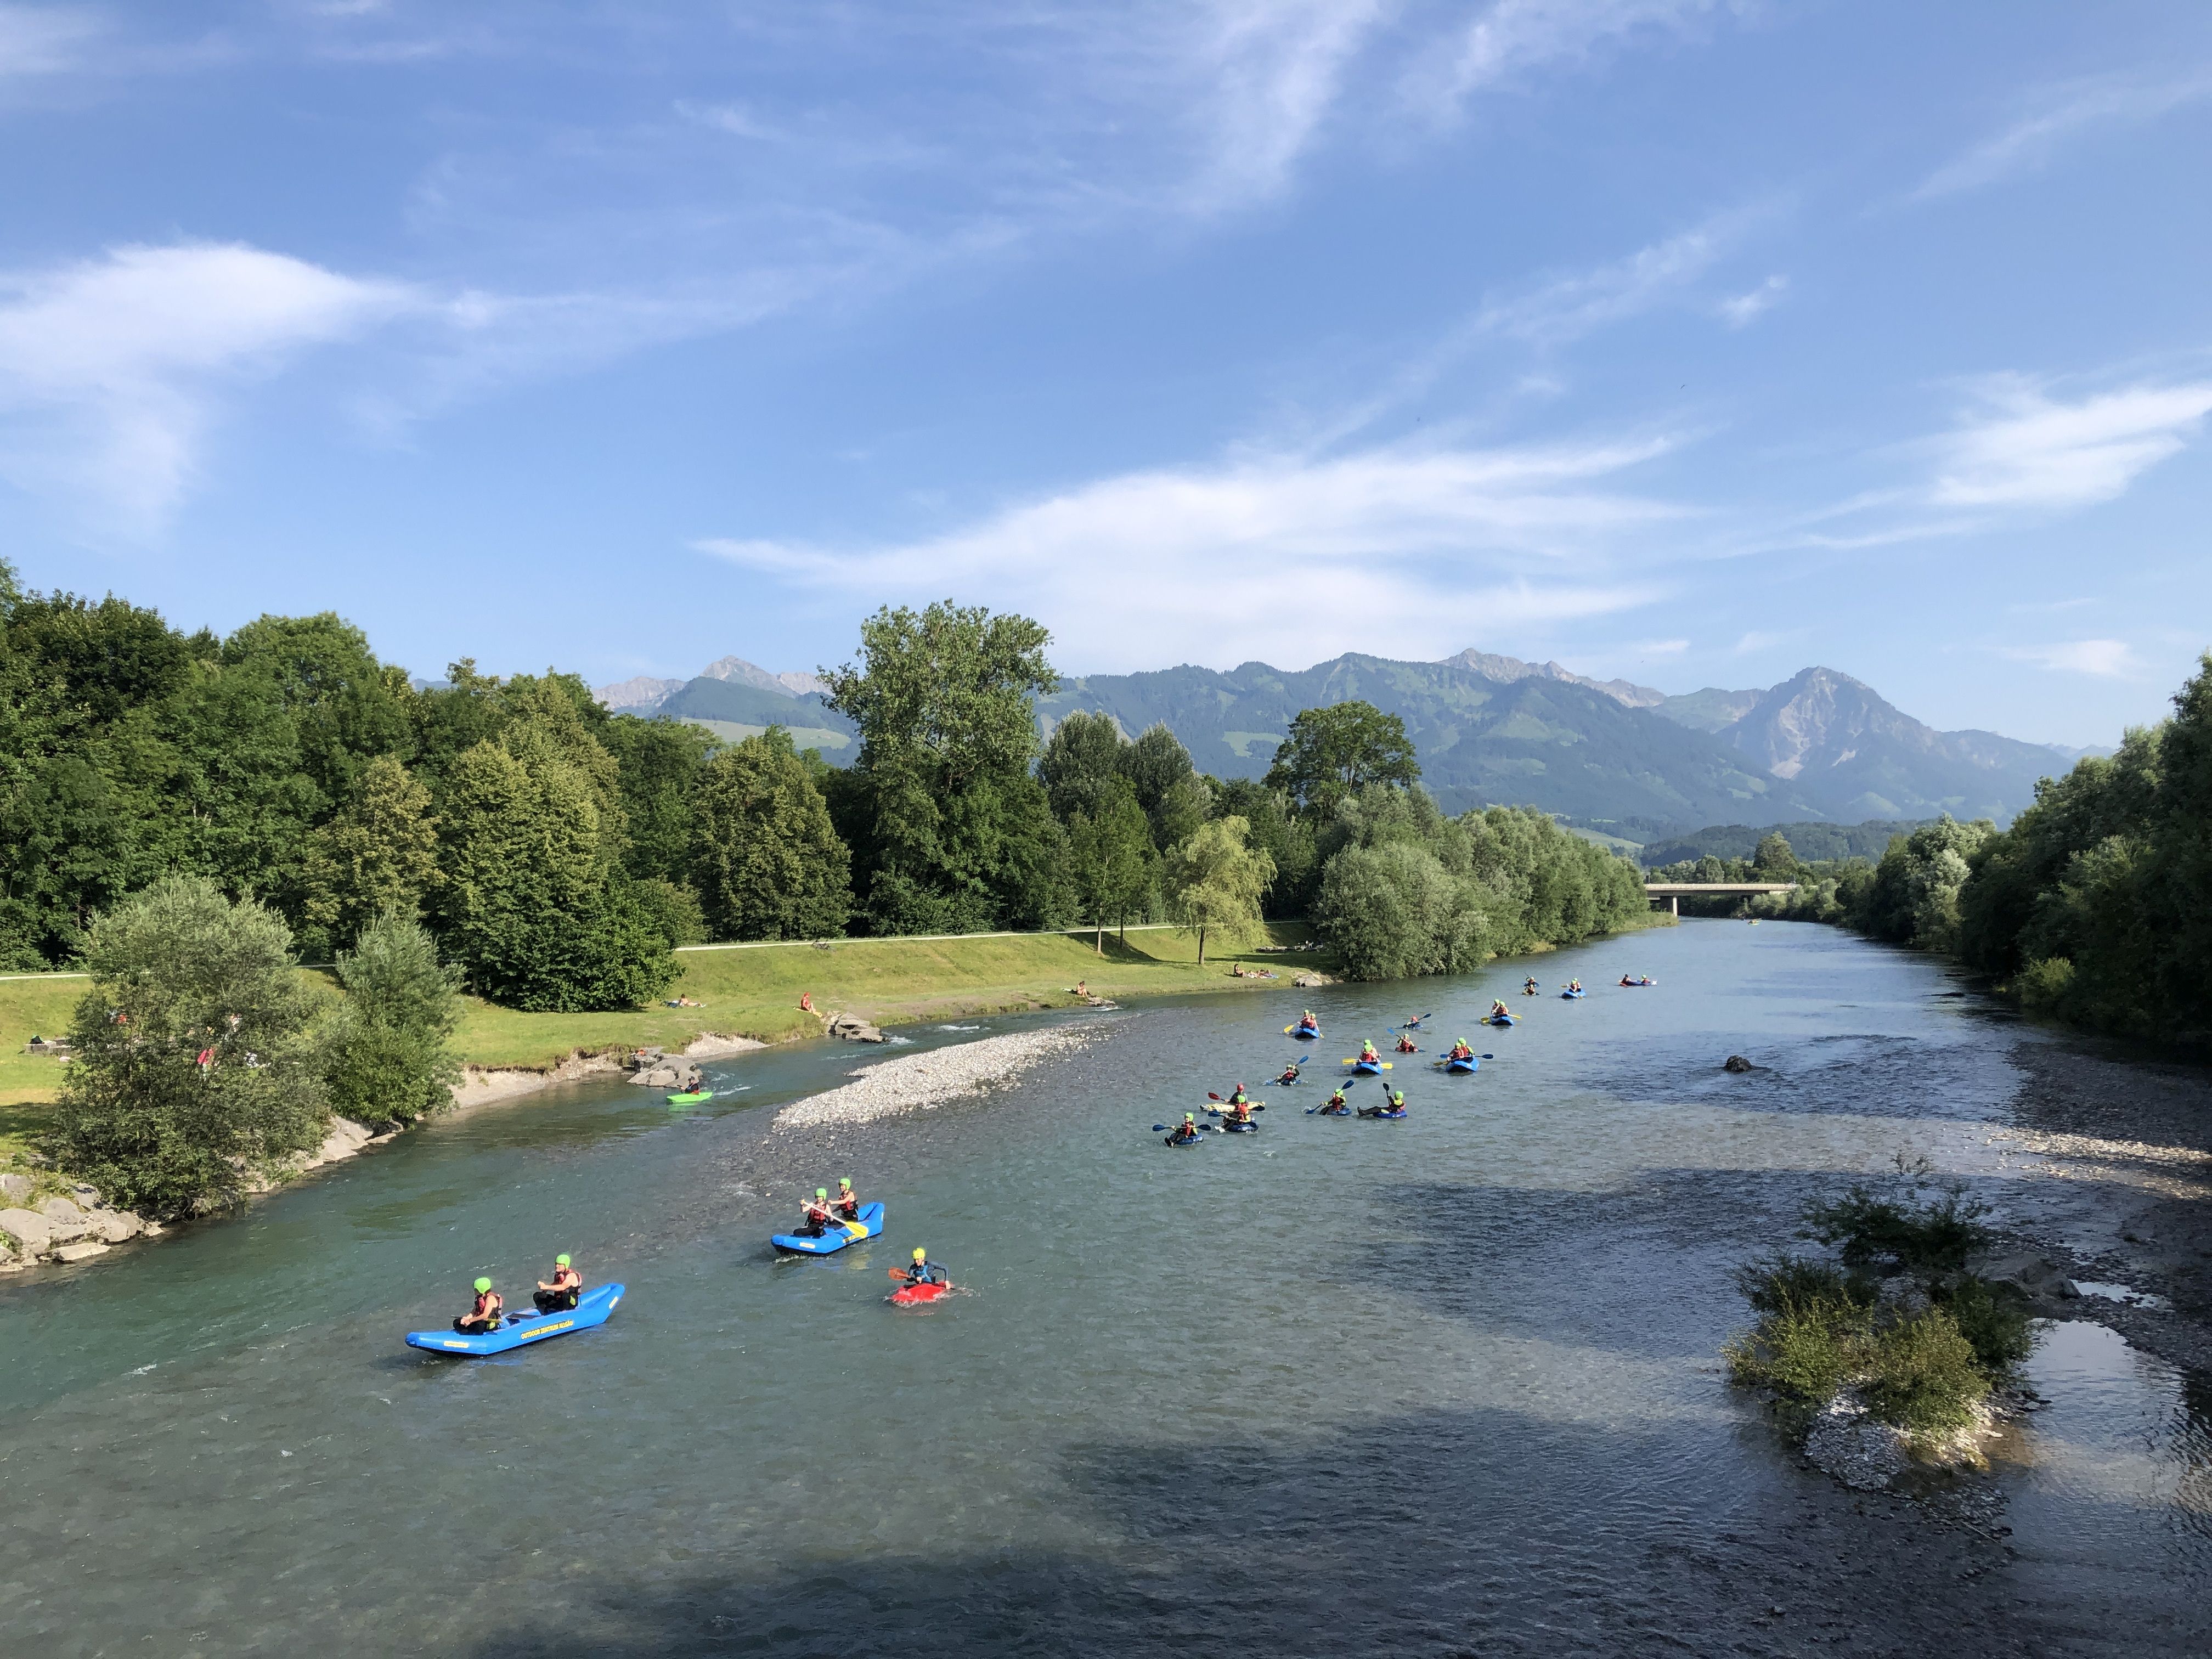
{"x": 821, "y": 1213}
{"x": 560, "y": 1296}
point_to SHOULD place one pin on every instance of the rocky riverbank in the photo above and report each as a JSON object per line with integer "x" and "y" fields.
{"x": 923, "y": 1082}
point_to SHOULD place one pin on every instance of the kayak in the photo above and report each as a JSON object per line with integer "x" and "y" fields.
{"x": 1333, "y": 1111}
{"x": 696, "y": 1095}
{"x": 1306, "y": 1033}
{"x": 1184, "y": 1140}
{"x": 910, "y": 1296}
{"x": 1282, "y": 1082}
{"x": 1366, "y": 1069}
{"x": 838, "y": 1236}
{"x": 1569, "y": 996}
{"x": 1500, "y": 1020}
{"x": 1467, "y": 1064}
{"x": 1400, "y": 1112}
{"x": 519, "y": 1330}
{"x": 1636, "y": 984}
{"x": 1229, "y": 1126}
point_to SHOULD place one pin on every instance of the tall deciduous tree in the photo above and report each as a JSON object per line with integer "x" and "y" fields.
{"x": 195, "y": 1065}
{"x": 951, "y": 833}
{"x": 1110, "y": 856}
{"x": 380, "y": 854}
{"x": 765, "y": 861}
{"x": 387, "y": 1057}
{"x": 1336, "y": 752}
{"x": 1214, "y": 881}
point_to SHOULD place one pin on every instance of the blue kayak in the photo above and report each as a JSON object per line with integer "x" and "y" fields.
{"x": 519, "y": 1330}
{"x": 1400, "y": 1112}
{"x": 1467, "y": 1065}
{"x": 1500, "y": 1019}
{"x": 1366, "y": 1069}
{"x": 1306, "y": 1033}
{"x": 1177, "y": 1140}
{"x": 1569, "y": 996}
{"x": 835, "y": 1237}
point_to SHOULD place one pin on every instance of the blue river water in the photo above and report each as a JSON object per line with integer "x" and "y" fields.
{"x": 1447, "y": 1385}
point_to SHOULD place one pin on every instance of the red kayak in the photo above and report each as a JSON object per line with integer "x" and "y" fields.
{"x": 908, "y": 1295}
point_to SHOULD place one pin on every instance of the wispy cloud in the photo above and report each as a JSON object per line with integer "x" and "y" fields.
{"x": 1509, "y": 38}
{"x": 2023, "y": 448}
{"x": 1561, "y": 308}
{"x": 2106, "y": 659}
{"x": 1744, "y": 308}
{"x": 2058, "y": 115}
{"x": 45, "y": 40}
{"x": 110, "y": 368}
{"x": 1206, "y": 563}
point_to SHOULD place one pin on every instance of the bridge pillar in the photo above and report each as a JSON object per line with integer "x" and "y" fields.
{"x": 1675, "y": 904}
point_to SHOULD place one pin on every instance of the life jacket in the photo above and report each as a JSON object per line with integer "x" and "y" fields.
{"x": 489, "y": 1305}
{"x": 568, "y": 1279}
{"x": 846, "y": 1198}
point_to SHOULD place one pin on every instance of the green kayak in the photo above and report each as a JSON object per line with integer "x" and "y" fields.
{"x": 696, "y": 1095}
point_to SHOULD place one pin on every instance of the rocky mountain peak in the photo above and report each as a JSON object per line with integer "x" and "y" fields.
{"x": 1506, "y": 669}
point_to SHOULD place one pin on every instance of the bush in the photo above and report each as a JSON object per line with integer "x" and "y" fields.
{"x": 1934, "y": 1237}
{"x": 1994, "y": 1318}
{"x": 1812, "y": 1333}
{"x": 2045, "y": 984}
{"x": 387, "y": 1058}
{"x": 1924, "y": 1374}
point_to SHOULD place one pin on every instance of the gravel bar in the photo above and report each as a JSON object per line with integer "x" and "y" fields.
{"x": 921, "y": 1082}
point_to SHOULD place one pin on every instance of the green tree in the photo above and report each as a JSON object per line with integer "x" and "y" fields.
{"x": 379, "y": 853}
{"x": 1081, "y": 761}
{"x": 1214, "y": 880}
{"x": 1774, "y": 860}
{"x": 195, "y": 1065}
{"x": 1336, "y": 752}
{"x": 387, "y": 1055}
{"x": 661, "y": 765}
{"x": 529, "y": 904}
{"x": 1284, "y": 837}
{"x": 1175, "y": 800}
{"x": 765, "y": 861}
{"x": 949, "y": 831}
{"x": 1111, "y": 856}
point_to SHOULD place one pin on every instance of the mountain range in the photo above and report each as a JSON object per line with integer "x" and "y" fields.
{"x": 1820, "y": 747}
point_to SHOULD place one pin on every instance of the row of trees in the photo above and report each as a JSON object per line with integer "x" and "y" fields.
{"x": 2096, "y": 903}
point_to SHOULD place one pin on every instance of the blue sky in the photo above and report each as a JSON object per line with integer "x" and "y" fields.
{"x": 1694, "y": 343}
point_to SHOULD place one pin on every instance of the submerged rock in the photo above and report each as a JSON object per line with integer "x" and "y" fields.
{"x": 1736, "y": 1063}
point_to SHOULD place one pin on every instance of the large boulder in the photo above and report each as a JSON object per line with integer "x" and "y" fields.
{"x": 116, "y": 1226}
{"x": 64, "y": 1221}
{"x": 91, "y": 1247}
{"x": 28, "y": 1228}
{"x": 15, "y": 1186}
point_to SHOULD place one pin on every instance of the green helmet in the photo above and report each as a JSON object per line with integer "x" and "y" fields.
{"x": 1190, "y": 1117}
{"x": 483, "y": 1284}
{"x": 920, "y": 1255}
{"x": 844, "y": 1181}
{"x": 560, "y": 1261}
{"x": 821, "y": 1192}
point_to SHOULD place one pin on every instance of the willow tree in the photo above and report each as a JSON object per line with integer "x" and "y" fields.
{"x": 1214, "y": 882}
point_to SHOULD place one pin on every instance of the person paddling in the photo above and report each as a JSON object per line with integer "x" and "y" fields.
{"x": 1528, "y": 985}
{"x": 1289, "y": 1074}
{"x": 817, "y": 1216}
{"x": 1337, "y": 1106}
{"x": 1184, "y": 1132}
{"x": 1308, "y": 1022}
{"x": 922, "y": 1271}
{"x": 561, "y": 1294}
{"x": 484, "y": 1317}
{"x": 1367, "y": 1054}
{"x": 846, "y": 1204}
{"x": 1237, "y": 1109}
{"x": 1405, "y": 1045}
{"x": 1459, "y": 1050}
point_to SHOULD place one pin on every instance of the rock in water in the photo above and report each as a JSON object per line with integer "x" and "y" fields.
{"x": 1736, "y": 1063}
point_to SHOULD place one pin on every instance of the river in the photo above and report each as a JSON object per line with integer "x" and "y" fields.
{"x": 1448, "y": 1385}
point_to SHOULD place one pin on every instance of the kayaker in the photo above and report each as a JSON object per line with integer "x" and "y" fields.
{"x": 1405, "y": 1045}
{"x": 1367, "y": 1054}
{"x": 817, "y": 1216}
{"x": 1237, "y": 1109}
{"x": 922, "y": 1271}
{"x": 847, "y": 1202}
{"x": 561, "y": 1294}
{"x": 1185, "y": 1131}
{"x": 1289, "y": 1074}
{"x": 484, "y": 1317}
{"x": 1236, "y": 1096}
{"x": 1528, "y": 985}
{"x": 1397, "y": 1100}
{"x": 1308, "y": 1022}
{"x": 1337, "y": 1106}
{"x": 1459, "y": 1050}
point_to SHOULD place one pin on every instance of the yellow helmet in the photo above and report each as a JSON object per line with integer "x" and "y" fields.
{"x": 920, "y": 1255}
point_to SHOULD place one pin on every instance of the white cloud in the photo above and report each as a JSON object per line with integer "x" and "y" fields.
{"x": 1744, "y": 308}
{"x": 1272, "y": 73}
{"x": 45, "y": 40}
{"x": 1562, "y": 308}
{"x": 2063, "y": 113}
{"x": 1511, "y": 37}
{"x": 2025, "y": 449}
{"x": 2109, "y": 658}
{"x": 109, "y": 368}
{"x": 1397, "y": 550}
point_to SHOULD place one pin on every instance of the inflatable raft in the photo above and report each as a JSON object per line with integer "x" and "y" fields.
{"x": 835, "y": 1238}
{"x": 520, "y": 1330}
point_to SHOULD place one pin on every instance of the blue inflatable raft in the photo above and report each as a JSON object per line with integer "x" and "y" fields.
{"x": 520, "y": 1330}
{"x": 1305, "y": 1033}
{"x": 1467, "y": 1064}
{"x": 1366, "y": 1069}
{"x": 839, "y": 1235}
{"x": 1569, "y": 996}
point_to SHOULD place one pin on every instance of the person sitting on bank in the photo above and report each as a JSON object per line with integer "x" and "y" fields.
{"x": 846, "y": 1204}
{"x": 922, "y": 1271}
{"x": 484, "y": 1317}
{"x": 560, "y": 1295}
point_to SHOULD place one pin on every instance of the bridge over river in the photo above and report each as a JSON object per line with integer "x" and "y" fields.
{"x": 1675, "y": 892}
